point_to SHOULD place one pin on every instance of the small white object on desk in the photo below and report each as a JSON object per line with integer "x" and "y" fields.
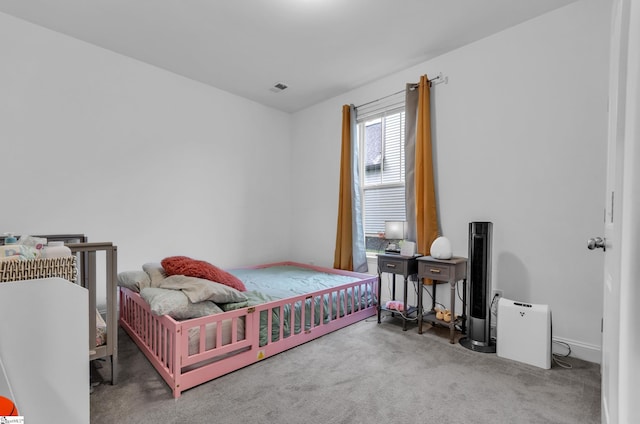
{"x": 441, "y": 248}
{"x": 408, "y": 248}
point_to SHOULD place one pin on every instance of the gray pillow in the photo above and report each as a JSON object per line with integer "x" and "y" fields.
{"x": 134, "y": 280}
{"x": 176, "y": 304}
{"x": 199, "y": 289}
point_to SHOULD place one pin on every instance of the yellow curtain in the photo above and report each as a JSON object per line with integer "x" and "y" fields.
{"x": 343, "y": 257}
{"x": 426, "y": 218}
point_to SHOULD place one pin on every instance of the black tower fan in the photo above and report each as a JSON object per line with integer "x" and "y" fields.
{"x": 479, "y": 276}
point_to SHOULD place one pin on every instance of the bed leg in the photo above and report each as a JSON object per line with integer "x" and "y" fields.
{"x": 113, "y": 370}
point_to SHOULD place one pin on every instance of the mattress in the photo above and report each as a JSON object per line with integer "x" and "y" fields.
{"x": 280, "y": 282}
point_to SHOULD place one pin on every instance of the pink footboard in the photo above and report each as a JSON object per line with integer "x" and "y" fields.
{"x": 191, "y": 352}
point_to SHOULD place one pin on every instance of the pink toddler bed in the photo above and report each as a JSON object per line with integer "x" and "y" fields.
{"x": 277, "y": 315}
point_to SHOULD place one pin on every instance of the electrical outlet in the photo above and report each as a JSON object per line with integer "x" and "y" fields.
{"x": 495, "y": 293}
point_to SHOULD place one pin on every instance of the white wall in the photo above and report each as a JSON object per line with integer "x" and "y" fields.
{"x": 94, "y": 142}
{"x": 519, "y": 140}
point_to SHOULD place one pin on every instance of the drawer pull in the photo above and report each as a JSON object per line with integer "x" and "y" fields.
{"x": 391, "y": 266}
{"x": 435, "y": 271}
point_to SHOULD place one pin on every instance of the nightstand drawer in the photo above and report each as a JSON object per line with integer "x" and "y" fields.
{"x": 393, "y": 266}
{"x": 433, "y": 271}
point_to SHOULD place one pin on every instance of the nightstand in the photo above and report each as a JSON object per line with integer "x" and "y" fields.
{"x": 397, "y": 265}
{"x": 449, "y": 270}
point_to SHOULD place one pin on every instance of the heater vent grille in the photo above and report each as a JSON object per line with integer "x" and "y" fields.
{"x": 278, "y": 87}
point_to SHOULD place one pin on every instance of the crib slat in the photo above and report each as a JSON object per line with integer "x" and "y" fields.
{"x": 281, "y": 322}
{"x": 218, "y": 341}
{"x": 269, "y": 324}
{"x": 234, "y": 330}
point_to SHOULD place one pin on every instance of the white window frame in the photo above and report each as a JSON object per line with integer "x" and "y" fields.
{"x": 382, "y": 113}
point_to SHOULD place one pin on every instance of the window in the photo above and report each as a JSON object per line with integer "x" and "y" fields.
{"x": 381, "y": 137}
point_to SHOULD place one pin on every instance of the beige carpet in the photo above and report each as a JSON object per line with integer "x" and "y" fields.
{"x": 366, "y": 373}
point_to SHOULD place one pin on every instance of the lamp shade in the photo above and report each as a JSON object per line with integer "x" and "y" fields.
{"x": 441, "y": 248}
{"x": 395, "y": 230}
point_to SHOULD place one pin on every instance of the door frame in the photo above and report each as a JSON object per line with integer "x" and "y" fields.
{"x": 621, "y": 322}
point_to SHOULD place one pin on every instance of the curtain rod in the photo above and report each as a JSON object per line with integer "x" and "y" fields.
{"x": 433, "y": 81}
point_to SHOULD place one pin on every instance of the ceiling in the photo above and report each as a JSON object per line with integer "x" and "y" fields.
{"x": 318, "y": 48}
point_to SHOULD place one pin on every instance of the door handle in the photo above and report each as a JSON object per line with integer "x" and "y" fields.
{"x": 597, "y": 243}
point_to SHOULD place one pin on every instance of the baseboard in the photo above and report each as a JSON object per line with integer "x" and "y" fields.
{"x": 580, "y": 350}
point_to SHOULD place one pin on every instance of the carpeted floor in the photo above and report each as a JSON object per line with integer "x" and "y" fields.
{"x": 366, "y": 373}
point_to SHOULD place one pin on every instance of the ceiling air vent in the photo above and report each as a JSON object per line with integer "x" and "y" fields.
{"x": 278, "y": 87}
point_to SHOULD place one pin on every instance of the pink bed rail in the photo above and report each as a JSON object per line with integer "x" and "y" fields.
{"x": 165, "y": 341}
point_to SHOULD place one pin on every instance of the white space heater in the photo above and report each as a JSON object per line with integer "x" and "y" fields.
{"x": 524, "y": 332}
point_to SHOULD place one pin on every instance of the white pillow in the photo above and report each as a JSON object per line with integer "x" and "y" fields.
{"x": 155, "y": 271}
{"x": 176, "y": 304}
